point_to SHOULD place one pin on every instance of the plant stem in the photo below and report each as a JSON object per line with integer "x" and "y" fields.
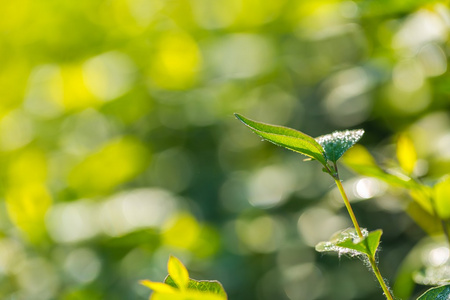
{"x": 348, "y": 206}
{"x": 377, "y": 273}
{"x": 372, "y": 261}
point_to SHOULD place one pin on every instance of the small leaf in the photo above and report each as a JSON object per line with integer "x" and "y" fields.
{"x": 178, "y": 285}
{"x": 286, "y": 137}
{"x": 339, "y": 237}
{"x": 406, "y": 154}
{"x": 373, "y": 240}
{"x": 441, "y": 292}
{"x": 442, "y": 198}
{"x": 338, "y": 142}
{"x": 178, "y": 272}
{"x": 368, "y": 246}
{"x": 207, "y": 286}
{"x": 348, "y": 242}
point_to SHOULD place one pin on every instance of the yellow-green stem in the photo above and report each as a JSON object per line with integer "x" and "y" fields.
{"x": 377, "y": 273}
{"x": 375, "y": 269}
{"x": 348, "y": 206}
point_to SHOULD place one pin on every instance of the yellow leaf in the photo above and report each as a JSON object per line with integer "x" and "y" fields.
{"x": 406, "y": 153}
{"x": 178, "y": 272}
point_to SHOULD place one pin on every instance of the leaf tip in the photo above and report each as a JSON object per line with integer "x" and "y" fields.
{"x": 239, "y": 117}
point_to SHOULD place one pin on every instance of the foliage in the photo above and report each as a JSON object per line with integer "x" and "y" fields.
{"x": 357, "y": 241}
{"x": 179, "y": 286}
{"x": 118, "y": 146}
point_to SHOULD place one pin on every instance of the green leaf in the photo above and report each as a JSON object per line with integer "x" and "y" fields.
{"x": 437, "y": 293}
{"x": 208, "y": 286}
{"x": 442, "y": 198}
{"x": 178, "y": 272}
{"x": 338, "y": 142}
{"x": 348, "y": 242}
{"x": 288, "y": 138}
{"x": 368, "y": 246}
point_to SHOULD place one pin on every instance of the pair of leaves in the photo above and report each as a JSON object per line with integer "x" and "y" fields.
{"x": 328, "y": 147}
{"x": 178, "y": 285}
{"x": 348, "y": 242}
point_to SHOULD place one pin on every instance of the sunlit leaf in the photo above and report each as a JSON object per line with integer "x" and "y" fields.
{"x": 442, "y": 198}
{"x": 406, "y": 154}
{"x": 178, "y": 285}
{"x": 178, "y": 272}
{"x": 210, "y": 286}
{"x": 286, "y": 137}
{"x": 338, "y": 142}
{"x": 437, "y": 293}
{"x": 348, "y": 242}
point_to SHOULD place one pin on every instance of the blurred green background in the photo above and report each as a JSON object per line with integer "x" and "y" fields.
{"x": 119, "y": 146}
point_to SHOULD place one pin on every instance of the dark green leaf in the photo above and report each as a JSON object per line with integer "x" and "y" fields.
{"x": 437, "y": 293}
{"x": 338, "y": 142}
{"x": 286, "y": 137}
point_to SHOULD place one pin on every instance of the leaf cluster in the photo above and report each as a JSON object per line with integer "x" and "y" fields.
{"x": 178, "y": 285}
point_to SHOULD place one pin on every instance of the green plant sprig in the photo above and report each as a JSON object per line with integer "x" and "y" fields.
{"x": 358, "y": 241}
{"x": 327, "y": 150}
